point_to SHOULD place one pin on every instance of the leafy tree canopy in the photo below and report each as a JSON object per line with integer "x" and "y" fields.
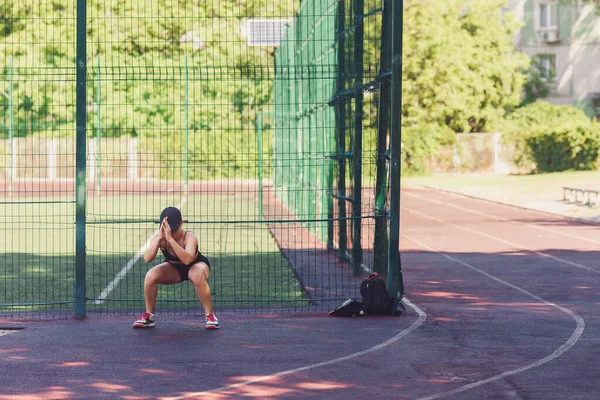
{"x": 460, "y": 68}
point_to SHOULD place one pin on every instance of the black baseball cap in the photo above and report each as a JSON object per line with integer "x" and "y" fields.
{"x": 174, "y": 217}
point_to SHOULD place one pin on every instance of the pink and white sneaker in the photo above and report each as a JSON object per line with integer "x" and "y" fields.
{"x": 145, "y": 321}
{"x": 212, "y": 322}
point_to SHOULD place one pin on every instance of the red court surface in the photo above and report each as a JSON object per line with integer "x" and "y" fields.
{"x": 503, "y": 303}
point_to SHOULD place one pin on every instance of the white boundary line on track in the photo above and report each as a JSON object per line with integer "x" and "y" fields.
{"x": 132, "y": 261}
{"x": 415, "y": 325}
{"x": 580, "y": 326}
{"x": 497, "y": 218}
{"x": 540, "y": 253}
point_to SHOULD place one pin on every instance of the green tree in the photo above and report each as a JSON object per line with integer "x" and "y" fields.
{"x": 12, "y": 16}
{"x": 143, "y": 47}
{"x": 537, "y": 86}
{"x": 460, "y": 68}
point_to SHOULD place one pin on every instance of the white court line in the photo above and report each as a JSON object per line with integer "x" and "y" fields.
{"x": 497, "y": 218}
{"x": 540, "y": 253}
{"x": 415, "y": 325}
{"x": 111, "y": 286}
{"x": 557, "y": 353}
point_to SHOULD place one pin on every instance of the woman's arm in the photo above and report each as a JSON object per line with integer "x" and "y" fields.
{"x": 187, "y": 255}
{"x": 153, "y": 246}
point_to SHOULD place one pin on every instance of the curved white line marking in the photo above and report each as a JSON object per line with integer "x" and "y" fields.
{"x": 557, "y": 353}
{"x": 415, "y": 325}
{"x": 496, "y": 238}
{"x": 497, "y": 218}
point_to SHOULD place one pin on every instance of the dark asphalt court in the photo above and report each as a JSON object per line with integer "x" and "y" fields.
{"x": 504, "y": 304}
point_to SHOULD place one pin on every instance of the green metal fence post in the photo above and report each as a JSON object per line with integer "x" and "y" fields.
{"x": 302, "y": 176}
{"x": 341, "y": 132}
{"x": 394, "y": 282}
{"x": 357, "y": 254}
{"x": 291, "y": 145}
{"x": 310, "y": 137}
{"x": 380, "y": 248}
{"x": 80, "y": 191}
{"x": 98, "y": 175}
{"x": 330, "y": 70}
{"x": 186, "y": 146}
{"x": 258, "y": 125}
{"x": 11, "y": 144}
{"x": 278, "y": 93}
{"x": 330, "y": 144}
{"x": 259, "y": 147}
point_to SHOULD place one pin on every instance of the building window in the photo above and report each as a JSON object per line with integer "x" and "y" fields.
{"x": 547, "y": 15}
{"x": 546, "y": 65}
{"x": 503, "y": 12}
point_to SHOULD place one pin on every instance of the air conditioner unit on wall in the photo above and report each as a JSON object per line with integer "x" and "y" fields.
{"x": 548, "y": 36}
{"x": 266, "y": 32}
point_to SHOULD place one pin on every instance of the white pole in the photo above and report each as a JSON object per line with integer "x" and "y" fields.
{"x": 92, "y": 167}
{"x": 132, "y": 171}
{"x": 497, "y": 153}
{"x": 51, "y": 154}
{"x": 15, "y": 155}
{"x": 456, "y": 158}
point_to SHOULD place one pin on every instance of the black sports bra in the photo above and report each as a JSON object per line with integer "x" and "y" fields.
{"x": 171, "y": 257}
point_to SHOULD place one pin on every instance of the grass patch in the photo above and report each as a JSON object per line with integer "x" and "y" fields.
{"x": 37, "y": 256}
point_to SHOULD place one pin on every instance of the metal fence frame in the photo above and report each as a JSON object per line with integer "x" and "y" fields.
{"x": 332, "y": 106}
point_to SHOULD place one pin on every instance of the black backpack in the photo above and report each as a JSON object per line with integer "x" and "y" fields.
{"x": 376, "y": 299}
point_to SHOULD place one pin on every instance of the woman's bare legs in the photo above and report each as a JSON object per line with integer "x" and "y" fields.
{"x": 198, "y": 275}
{"x": 164, "y": 274}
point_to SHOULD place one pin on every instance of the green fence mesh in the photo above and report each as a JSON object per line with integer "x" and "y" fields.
{"x": 257, "y": 118}
{"x": 304, "y": 143}
{"x": 37, "y": 263}
{"x": 326, "y": 121}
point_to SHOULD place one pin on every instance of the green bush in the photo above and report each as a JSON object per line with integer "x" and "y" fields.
{"x": 543, "y": 112}
{"x": 564, "y": 147}
{"x": 551, "y": 138}
{"x": 420, "y": 144}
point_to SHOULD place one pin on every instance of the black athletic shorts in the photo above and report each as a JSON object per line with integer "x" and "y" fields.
{"x": 184, "y": 270}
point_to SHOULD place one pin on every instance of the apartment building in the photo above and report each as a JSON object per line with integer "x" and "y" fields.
{"x": 563, "y": 36}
